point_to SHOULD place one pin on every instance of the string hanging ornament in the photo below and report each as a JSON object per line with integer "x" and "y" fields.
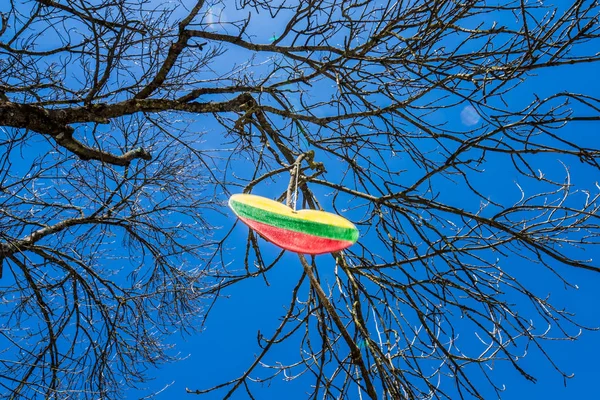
{"x": 301, "y": 231}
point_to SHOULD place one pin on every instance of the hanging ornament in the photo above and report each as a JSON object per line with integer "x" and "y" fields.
{"x": 303, "y": 231}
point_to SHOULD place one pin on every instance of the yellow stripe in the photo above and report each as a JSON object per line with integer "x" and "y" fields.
{"x": 307, "y": 215}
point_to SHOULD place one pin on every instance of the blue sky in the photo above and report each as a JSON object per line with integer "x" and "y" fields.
{"x": 227, "y": 343}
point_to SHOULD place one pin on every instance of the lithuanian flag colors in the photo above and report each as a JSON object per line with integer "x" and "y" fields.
{"x": 303, "y": 231}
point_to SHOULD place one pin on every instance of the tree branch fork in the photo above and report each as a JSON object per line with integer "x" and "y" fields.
{"x": 56, "y": 123}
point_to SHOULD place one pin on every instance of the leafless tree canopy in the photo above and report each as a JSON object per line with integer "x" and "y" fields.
{"x": 125, "y": 125}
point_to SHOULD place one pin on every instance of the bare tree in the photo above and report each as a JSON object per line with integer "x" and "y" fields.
{"x": 126, "y": 124}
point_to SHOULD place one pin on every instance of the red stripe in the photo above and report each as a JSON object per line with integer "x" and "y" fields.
{"x": 297, "y": 242}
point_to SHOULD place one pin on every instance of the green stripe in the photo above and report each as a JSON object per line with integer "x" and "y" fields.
{"x": 295, "y": 224}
